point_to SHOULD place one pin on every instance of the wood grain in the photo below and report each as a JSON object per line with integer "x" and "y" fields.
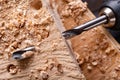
{"x": 97, "y": 51}
{"x": 26, "y": 23}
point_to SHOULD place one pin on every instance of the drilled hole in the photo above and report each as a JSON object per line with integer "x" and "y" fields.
{"x": 36, "y": 4}
{"x": 12, "y": 69}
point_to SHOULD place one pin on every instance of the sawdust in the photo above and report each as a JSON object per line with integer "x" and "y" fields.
{"x": 74, "y": 9}
{"x": 96, "y": 51}
{"x": 27, "y": 54}
{"x": 44, "y": 75}
{"x": 26, "y": 23}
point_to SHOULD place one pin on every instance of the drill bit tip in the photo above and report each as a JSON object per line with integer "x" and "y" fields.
{"x": 18, "y": 54}
{"x": 70, "y": 33}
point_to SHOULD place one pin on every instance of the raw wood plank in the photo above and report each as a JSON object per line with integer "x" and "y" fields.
{"x": 25, "y": 23}
{"x": 97, "y": 51}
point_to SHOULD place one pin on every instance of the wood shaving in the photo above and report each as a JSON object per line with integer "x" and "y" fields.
{"x": 94, "y": 63}
{"x": 51, "y": 66}
{"x": 59, "y": 68}
{"x": 89, "y": 67}
{"x": 27, "y": 54}
{"x": 44, "y": 75}
{"x": 74, "y": 9}
{"x": 117, "y": 68}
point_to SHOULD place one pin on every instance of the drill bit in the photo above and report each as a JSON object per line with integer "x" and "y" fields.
{"x": 84, "y": 27}
{"x": 109, "y": 16}
{"x": 18, "y": 54}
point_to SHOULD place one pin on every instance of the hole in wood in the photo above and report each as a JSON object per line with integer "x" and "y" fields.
{"x": 36, "y": 4}
{"x": 12, "y": 69}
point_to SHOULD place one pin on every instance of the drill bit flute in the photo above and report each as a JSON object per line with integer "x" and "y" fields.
{"x": 109, "y": 16}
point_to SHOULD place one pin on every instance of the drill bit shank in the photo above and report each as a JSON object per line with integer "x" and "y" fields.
{"x": 18, "y": 54}
{"x": 84, "y": 27}
{"x": 109, "y": 16}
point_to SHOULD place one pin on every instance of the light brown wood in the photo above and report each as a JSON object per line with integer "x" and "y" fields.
{"x": 97, "y": 52}
{"x": 25, "y": 23}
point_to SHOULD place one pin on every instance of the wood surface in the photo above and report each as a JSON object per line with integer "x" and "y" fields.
{"x": 29, "y": 22}
{"x": 97, "y": 51}
{"x": 25, "y": 23}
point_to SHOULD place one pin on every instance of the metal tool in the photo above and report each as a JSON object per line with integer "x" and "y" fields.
{"x": 18, "y": 54}
{"x": 109, "y": 17}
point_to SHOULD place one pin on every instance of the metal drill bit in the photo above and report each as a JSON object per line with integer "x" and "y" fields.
{"x": 18, "y": 54}
{"x": 84, "y": 27}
